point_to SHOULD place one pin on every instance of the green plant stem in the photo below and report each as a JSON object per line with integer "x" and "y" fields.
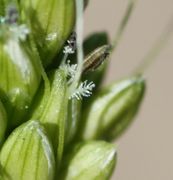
{"x": 158, "y": 46}
{"x": 79, "y": 32}
{"x": 79, "y": 39}
{"x": 123, "y": 23}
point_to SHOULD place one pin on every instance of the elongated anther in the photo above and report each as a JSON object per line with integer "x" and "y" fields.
{"x": 96, "y": 58}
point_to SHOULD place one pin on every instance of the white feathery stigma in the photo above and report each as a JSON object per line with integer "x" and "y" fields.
{"x": 84, "y": 90}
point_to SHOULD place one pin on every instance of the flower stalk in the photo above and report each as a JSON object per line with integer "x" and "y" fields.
{"x": 56, "y": 120}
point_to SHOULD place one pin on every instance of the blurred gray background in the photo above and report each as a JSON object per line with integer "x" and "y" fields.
{"x": 145, "y": 151}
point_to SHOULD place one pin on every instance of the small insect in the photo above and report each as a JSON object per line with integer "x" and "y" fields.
{"x": 71, "y": 44}
{"x": 96, "y": 58}
{"x": 12, "y": 15}
{"x": 72, "y": 39}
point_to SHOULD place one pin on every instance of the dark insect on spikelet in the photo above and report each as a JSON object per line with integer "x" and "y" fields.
{"x": 12, "y": 15}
